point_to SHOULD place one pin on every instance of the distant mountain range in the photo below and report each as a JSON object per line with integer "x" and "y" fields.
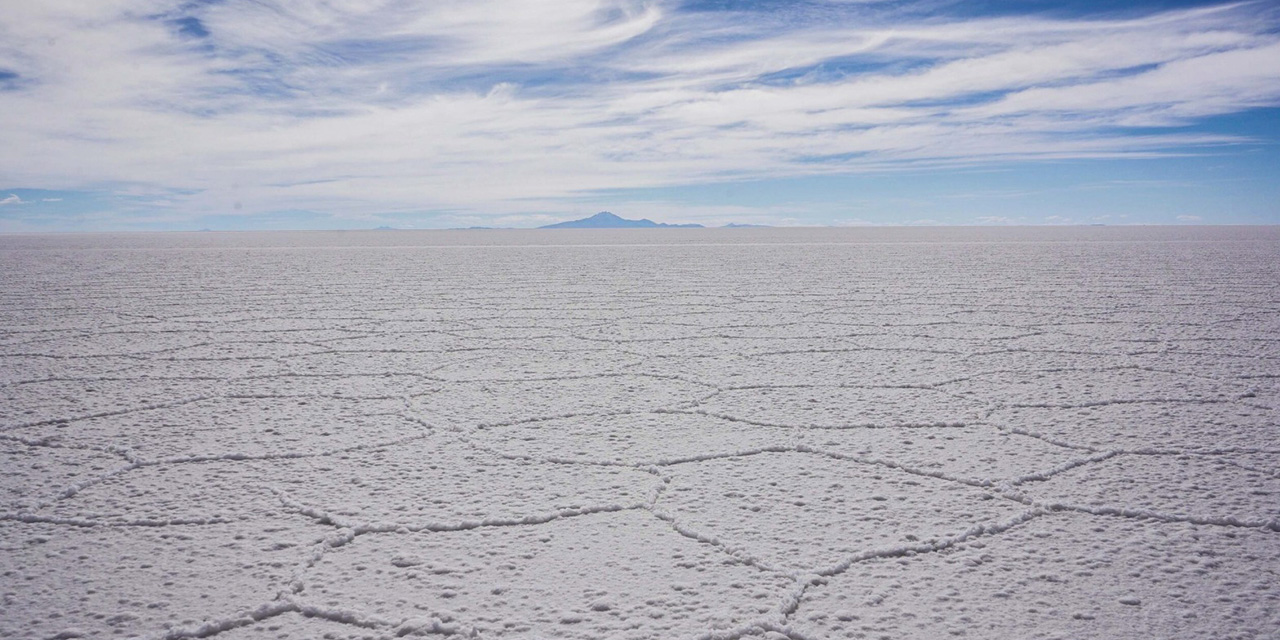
{"x": 606, "y": 220}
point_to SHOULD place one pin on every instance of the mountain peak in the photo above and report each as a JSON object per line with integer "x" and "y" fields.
{"x": 608, "y": 220}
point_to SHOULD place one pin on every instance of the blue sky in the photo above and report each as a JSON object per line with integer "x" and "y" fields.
{"x": 329, "y": 114}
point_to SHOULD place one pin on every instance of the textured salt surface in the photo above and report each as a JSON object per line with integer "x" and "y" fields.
{"x": 706, "y": 434}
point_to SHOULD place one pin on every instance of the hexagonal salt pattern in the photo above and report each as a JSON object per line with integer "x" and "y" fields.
{"x": 1161, "y": 425}
{"x": 74, "y": 581}
{"x": 31, "y": 475}
{"x": 978, "y": 453}
{"x": 628, "y": 435}
{"x": 626, "y": 575}
{"x": 841, "y": 407}
{"x": 638, "y": 439}
{"x": 239, "y": 427}
{"x": 805, "y": 513}
{"x": 1062, "y": 576}
{"x": 1204, "y": 488}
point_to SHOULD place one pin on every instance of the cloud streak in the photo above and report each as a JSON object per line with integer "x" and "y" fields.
{"x": 502, "y": 107}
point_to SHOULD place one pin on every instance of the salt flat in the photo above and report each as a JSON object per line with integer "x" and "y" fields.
{"x": 804, "y": 433}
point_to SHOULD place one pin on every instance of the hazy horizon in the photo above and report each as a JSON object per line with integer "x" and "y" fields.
{"x": 710, "y": 236}
{"x": 727, "y": 227}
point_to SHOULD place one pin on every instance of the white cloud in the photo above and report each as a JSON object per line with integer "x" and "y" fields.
{"x": 1190, "y": 218}
{"x": 478, "y": 107}
{"x": 12, "y": 199}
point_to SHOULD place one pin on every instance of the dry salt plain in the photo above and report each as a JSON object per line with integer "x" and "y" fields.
{"x": 873, "y": 433}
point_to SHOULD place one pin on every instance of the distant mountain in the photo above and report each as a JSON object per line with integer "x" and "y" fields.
{"x": 606, "y": 220}
{"x": 735, "y": 225}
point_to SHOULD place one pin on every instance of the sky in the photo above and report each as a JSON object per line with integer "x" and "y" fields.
{"x": 357, "y": 114}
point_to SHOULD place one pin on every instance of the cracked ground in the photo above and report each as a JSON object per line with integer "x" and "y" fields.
{"x": 1066, "y": 433}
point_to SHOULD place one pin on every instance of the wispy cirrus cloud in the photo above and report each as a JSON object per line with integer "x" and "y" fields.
{"x": 503, "y": 107}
